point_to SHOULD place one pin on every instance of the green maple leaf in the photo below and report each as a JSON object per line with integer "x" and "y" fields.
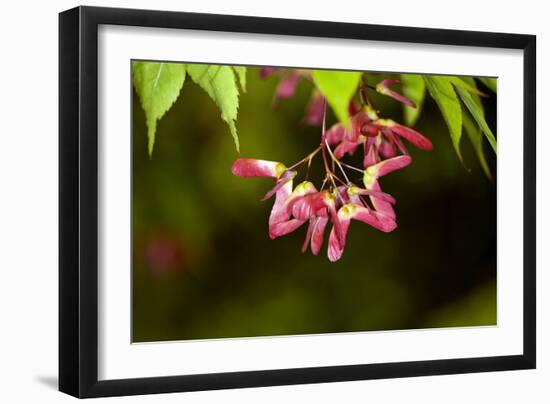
{"x": 220, "y": 84}
{"x": 158, "y": 86}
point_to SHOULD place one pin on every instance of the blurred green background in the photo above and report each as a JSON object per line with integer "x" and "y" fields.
{"x": 204, "y": 266}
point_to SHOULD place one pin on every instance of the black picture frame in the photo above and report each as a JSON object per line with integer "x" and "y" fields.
{"x": 78, "y": 201}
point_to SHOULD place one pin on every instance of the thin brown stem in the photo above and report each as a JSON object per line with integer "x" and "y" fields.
{"x": 363, "y": 94}
{"x": 308, "y": 167}
{"x": 306, "y": 158}
{"x": 365, "y": 202}
{"x": 351, "y": 167}
{"x": 324, "y": 182}
{"x": 340, "y": 180}
{"x": 335, "y": 160}
{"x": 330, "y": 174}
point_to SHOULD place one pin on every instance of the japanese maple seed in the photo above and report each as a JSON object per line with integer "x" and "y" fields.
{"x": 337, "y": 201}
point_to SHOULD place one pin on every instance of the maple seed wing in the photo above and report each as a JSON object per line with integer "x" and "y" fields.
{"x": 413, "y": 137}
{"x": 336, "y": 244}
{"x": 248, "y": 168}
{"x": 280, "y": 229}
{"x": 384, "y": 88}
{"x": 318, "y": 234}
{"x": 390, "y": 165}
{"x": 378, "y": 221}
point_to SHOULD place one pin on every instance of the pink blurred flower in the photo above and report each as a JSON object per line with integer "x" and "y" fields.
{"x": 315, "y": 109}
{"x": 164, "y": 254}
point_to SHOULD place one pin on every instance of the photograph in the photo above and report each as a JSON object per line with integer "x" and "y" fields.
{"x": 272, "y": 201}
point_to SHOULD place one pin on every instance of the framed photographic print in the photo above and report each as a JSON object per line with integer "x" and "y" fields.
{"x": 250, "y": 201}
